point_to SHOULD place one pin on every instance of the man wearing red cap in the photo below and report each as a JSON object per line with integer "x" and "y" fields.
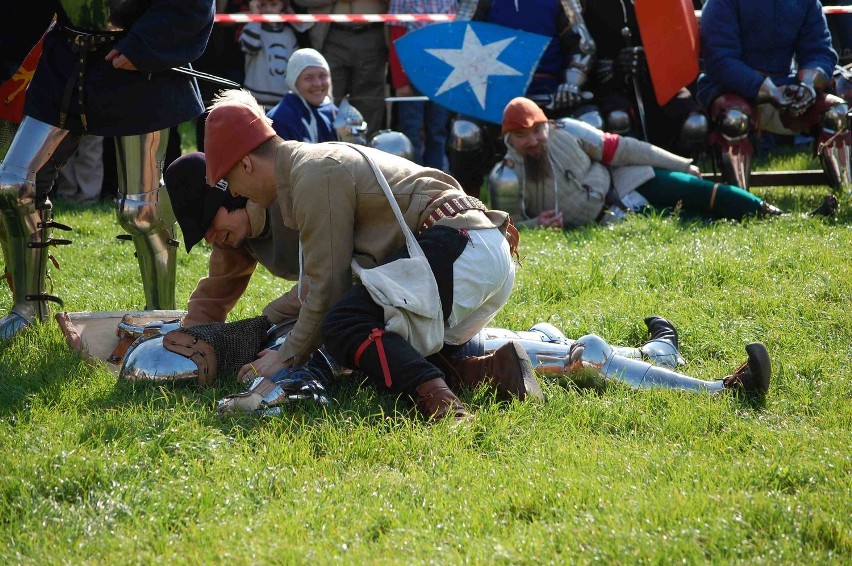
{"x": 567, "y": 174}
{"x": 333, "y": 196}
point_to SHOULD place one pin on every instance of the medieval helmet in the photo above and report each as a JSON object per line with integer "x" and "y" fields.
{"x": 350, "y": 124}
{"x": 393, "y": 142}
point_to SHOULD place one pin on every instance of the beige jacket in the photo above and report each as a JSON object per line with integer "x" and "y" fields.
{"x": 329, "y": 193}
{"x": 576, "y": 184}
{"x": 319, "y": 31}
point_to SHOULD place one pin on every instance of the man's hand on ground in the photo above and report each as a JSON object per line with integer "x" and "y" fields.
{"x": 267, "y": 364}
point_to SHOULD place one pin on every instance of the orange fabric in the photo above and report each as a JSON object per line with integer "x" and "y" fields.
{"x": 13, "y": 91}
{"x": 231, "y": 132}
{"x": 398, "y": 77}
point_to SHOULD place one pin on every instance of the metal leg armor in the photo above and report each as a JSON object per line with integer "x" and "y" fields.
{"x": 26, "y": 225}
{"x": 592, "y": 362}
{"x": 834, "y": 147}
{"x": 733, "y": 120}
{"x": 145, "y": 213}
{"x": 547, "y": 346}
{"x": 465, "y": 153}
{"x": 618, "y": 122}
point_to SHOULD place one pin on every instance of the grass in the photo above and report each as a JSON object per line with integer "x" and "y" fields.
{"x": 95, "y": 470}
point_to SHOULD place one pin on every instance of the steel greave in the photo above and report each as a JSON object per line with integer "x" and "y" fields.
{"x": 834, "y": 156}
{"x": 593, "y": 361}
{"x": 25, "y": 223}
{"x": 144, "y": 211}
{"x": 736, "y": 163}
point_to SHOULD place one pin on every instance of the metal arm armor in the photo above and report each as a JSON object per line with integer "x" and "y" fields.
{"x": 577, "y": 44}
{"x": 590, "y": 138}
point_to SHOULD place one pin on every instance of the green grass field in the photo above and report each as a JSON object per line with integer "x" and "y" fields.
{"x": 97, "y": 471}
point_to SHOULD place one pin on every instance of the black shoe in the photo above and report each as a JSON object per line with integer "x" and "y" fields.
{"x": 660, "y": 328}
{"x": 828, "y": 208}
{"x": 753, "y": 376}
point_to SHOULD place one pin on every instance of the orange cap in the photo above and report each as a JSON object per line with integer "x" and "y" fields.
{"x": 522, "y": 113}
{"x": 231, "y": 131}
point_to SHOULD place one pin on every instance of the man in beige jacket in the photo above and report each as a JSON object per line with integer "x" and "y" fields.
{"x": 566, "y": 173}
{"x": 331, "y": 195}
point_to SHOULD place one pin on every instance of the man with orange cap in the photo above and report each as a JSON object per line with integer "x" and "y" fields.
{"x": 568, "y": 173}
{"x": 333, "y": 194}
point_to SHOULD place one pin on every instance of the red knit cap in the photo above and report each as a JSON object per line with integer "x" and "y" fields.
{"x": 232, "y": 130}
{"x": 521, "y": 113}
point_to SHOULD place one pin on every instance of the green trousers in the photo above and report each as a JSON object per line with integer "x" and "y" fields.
{"x": 698, "y": 196}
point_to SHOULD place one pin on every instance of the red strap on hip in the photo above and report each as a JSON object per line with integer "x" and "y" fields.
{"x": 375, "y": 336}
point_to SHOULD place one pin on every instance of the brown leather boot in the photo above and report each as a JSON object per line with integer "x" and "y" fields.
{"x": 436, "y": 401}
{"x": 508, "y": 369}
{"x": 752, "y": 376}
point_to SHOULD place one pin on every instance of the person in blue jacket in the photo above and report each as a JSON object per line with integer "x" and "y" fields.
{"x": 766, "y": 65}
{"x": 307, "y": 112}
{"x": 108, "y": 69}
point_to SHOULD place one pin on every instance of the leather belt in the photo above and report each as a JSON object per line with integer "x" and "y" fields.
{"x": 82, "y": 43}
{"x": 451, "y": 208}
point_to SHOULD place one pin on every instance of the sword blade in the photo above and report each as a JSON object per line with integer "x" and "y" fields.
{"x": 206, "y": 77}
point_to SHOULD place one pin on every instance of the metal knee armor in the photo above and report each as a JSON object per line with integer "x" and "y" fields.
{"x": 693, "y": 132}
{"x": 548, "y": 348}
{"x": 618, "y": 122}
{"x": 145, "y": 213}
{"x": 26, "y": 224}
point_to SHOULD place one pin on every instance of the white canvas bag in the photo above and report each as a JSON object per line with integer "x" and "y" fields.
{"x": 405, "y": 288}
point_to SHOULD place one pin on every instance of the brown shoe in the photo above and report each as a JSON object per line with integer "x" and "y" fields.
{"x": 753, "y": 376}
{"x": 508, "y": 369}
{"x": 436, "y": 401}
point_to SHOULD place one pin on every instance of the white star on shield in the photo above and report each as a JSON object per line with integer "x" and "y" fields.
{"x": 474, "y": 63}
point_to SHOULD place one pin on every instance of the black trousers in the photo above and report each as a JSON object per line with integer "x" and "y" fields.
{"x": 351, "y": 321}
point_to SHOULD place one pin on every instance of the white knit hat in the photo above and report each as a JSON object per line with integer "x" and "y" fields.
{"x": 301, "y": 59}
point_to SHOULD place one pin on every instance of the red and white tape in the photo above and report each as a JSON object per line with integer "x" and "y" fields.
{"x": 825, "y": 10}
{"x": 332, "y": 18}
{"x": 379, "y": 18}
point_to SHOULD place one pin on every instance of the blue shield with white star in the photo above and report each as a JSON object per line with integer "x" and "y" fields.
{"x": 473, "y": 68}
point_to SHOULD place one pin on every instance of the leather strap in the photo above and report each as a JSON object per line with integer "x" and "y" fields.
{"x": 375, "y": 336}
{"x": 451, "y": 208}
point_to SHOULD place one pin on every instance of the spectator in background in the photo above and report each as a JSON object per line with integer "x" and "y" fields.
{"x": 267, "y": 47}
{"x": 841, "y": 31}
{"x": 767, "y": 65}
{"x": 357, "y": 54}
{"x": 413, "y": 118}
{"x": 81, "y": 179}
{"x": 306, "y": 113}
{"x": 222, "y": 57}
